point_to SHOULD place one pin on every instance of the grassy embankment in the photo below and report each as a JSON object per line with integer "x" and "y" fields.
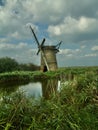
{"x": 75, "y": 107}
{"x": 27, "y": 76}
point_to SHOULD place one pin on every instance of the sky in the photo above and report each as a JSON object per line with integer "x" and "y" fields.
{"x": 74, "y": 22}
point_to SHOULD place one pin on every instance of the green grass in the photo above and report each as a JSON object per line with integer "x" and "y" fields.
{"x": 67, "y": 72}
{"x": 18, "y": 76}
{"x": 74, "y": 107}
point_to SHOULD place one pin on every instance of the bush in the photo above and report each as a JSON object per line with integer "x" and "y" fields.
{"x": 8, "y": 65}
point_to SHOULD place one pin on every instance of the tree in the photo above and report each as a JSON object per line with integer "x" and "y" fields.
{"x": 8, "y": 64}
{"x": 28, "y": 67}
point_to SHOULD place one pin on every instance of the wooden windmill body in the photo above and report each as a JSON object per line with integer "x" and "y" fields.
{"x": 48, "y": 54}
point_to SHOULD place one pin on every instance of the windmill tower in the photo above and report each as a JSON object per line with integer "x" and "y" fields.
{"x": 48, "y": 54}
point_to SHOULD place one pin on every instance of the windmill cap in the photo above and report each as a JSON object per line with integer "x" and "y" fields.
{"x": 49, "y": 47}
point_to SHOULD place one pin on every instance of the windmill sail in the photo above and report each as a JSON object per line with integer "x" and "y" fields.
{"x": 40, "y": 46}
{"x": 35, "y": 36}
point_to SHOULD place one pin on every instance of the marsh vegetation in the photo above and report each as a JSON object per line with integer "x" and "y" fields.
{"x": 73, "y": 107}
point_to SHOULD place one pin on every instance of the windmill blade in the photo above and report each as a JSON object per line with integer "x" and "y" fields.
{"x": 40, "y": 47}
{"x": 35, "y": 36}
{"x": 45, "y": 60}
{"x": 43, "y": 55}
{"x": 43, "y": 42}
{"x": 58, "y": 45}
{"x": 38, "y": 51}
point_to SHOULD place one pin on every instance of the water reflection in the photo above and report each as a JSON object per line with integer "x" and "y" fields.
{"x": 32, "y": 89}
{"x": 10, "y": 87}
{"x": 49, "y": 87}
{"x": 36, "y": 89}
{"x": 41, "y": 89}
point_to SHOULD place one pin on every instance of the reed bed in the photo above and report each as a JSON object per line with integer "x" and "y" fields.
{"x": 74, "y": 107}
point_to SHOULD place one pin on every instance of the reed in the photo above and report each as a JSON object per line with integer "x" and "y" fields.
{"x": 74, "y": 107}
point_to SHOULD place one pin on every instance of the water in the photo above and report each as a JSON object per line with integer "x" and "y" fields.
{"x": 36, "y": 89}
{"x": 32, "y": 89}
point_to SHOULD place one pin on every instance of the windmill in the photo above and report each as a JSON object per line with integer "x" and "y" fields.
{"x": 48, "y": 54}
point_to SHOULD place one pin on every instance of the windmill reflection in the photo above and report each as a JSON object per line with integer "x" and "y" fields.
{"x": 49, "y": 87}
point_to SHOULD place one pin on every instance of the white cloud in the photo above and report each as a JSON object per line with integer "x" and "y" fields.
{"x": 15, "y": 35}
{"x": 16, "y": 14}
{"x": 44, "y": 10}
{"x": 66, "y": 27}
{"x": 70, "y": 52}
{"x": 87, "y": 24}
{"x": 22, "y": 52}
{"x": 94, "y": 48}
{"x": 83, "y": 46}
{"x": 13, "y": 20}
{"x": 91, "y": 55}
{"x": 3, "y": 40}
{"x": 67, "y": 20}
{"x": 8, "y": 46}
{"x": 71, "y": 28}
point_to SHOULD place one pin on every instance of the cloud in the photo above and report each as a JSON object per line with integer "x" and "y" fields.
{"x": 83, "y": 46}
{"x": 72, "y": 29}
{"x": 69, "y": 51}
{"x": 22, "y": 52}
{"x": 13, "y": 19}
{"x": 91, "y": 55}
{"x": 60, "y": 16}
{"x": 7, "y": 46}
{"x": 73, "y": 22}
{"x": 3, "y": 40}
{"x": 94, "y": 48}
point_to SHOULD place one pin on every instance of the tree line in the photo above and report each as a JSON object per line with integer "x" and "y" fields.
{"x": 8, "y": 65}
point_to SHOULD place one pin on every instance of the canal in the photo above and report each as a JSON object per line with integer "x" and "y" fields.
{"x": 33, "y": 89}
